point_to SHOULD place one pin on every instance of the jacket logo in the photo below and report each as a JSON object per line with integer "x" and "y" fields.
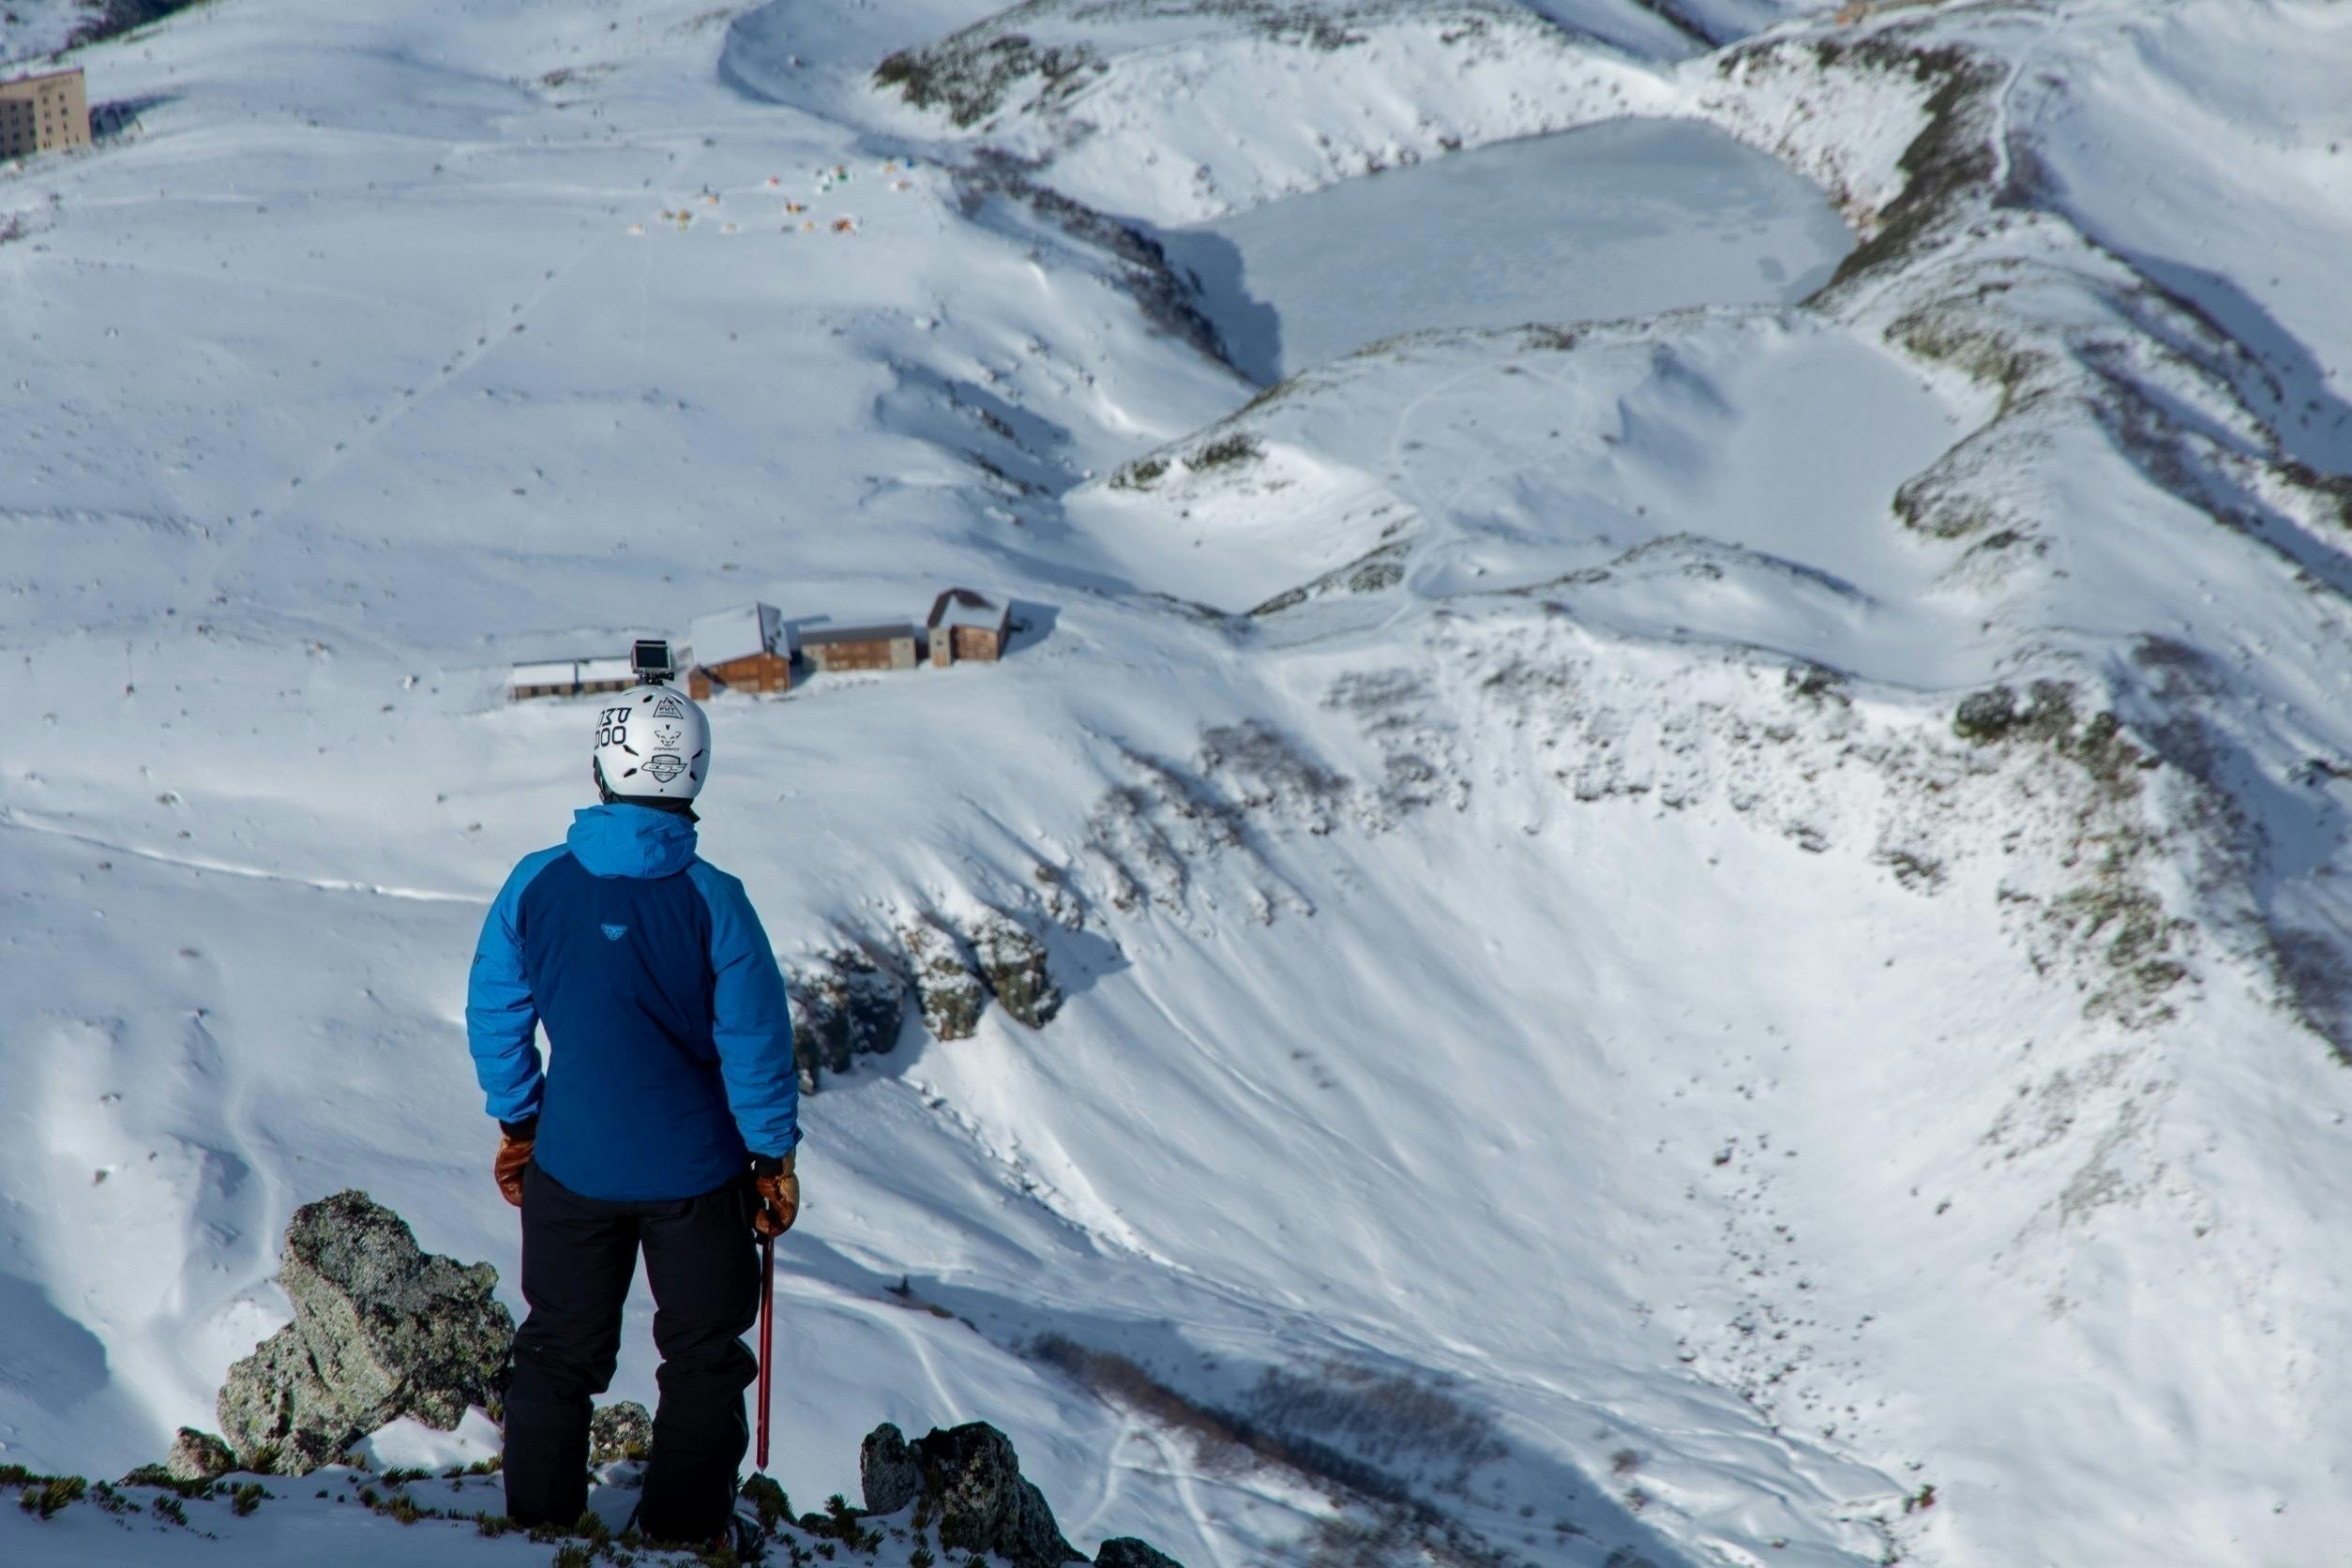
{"x": 614, "y": 934}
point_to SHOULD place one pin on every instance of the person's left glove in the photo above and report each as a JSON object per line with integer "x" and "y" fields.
{"x": 515, "y": 1140}
{"x": 778, "y": 1193}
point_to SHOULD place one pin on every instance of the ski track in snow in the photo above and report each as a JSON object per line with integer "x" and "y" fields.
{"x": 11, "y": 818}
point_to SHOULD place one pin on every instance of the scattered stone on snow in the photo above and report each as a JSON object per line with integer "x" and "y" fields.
{"x": 621, "y": 1430}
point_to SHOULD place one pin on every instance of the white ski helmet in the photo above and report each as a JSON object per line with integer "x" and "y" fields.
{"x": 653, "y": 744}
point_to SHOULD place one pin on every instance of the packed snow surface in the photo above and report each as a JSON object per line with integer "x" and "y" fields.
{"x": 1710, "y": 938}
{"x": 1628, "y": 218}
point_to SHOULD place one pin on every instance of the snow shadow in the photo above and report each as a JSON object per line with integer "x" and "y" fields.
{"x": 1011, "y": 444}
{"x": 45, "y": 1356}
{"x": 1033, "y": 624}
{"x": 119, "y": 117}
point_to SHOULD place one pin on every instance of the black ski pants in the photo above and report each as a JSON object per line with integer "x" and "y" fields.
{"x": 579, "y": 1255}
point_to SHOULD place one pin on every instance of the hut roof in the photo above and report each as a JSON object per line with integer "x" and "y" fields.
{"x": 885, "y": 632}
{"x": 736, "y": 633}
{"x": 961, "y": 606}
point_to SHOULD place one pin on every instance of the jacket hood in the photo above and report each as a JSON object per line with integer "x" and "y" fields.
{"x": 630, "y": 841}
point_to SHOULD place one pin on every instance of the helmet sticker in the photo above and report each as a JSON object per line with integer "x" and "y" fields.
{"x": 669, "y": 708}
{"x": 669, "y": 737}
{"x": 665, "y": 765}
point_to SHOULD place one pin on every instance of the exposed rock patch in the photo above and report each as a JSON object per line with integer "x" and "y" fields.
{"x": 851, "y": 1000}
{"x": 1013, "y": 967}
{"x": 844, "y": 1006}
{"x": 946, "y": 982}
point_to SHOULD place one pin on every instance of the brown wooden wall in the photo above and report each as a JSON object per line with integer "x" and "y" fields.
{"x": 754, "y": 673}
{"x": 889, "y": 652}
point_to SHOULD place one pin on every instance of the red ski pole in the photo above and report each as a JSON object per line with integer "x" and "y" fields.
{"x": 767, "y": 1338}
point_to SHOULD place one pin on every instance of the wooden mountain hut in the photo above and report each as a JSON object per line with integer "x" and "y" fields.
{"x": 743, "y": 649}
{"x": 571, "y": 677}
{"x": 965, "y": 625}
{"x": 889, "y": 646}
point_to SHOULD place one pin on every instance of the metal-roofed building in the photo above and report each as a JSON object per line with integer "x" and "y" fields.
{"x": 571, "y": 677}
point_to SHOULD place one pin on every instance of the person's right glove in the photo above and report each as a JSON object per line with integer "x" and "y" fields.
{"x": 778, "y": 1193}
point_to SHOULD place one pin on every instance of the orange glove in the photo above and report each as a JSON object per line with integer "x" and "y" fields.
{"x": 778, "y": 1192}
{"x": 513, "y": 1155}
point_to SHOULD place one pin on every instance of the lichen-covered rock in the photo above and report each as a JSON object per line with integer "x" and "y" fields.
{"x": 621, "y": 1430}
{"x": 1125, "y": 1551}
{"x": 198, "y": 1456}
{"x": 1013, "y": 967}
{"x": 844, "y": 1006}
{"x": 945, "y": 982}
{"x": 887, "y": 1474}
{"x": 381, "y": 1329}
{"x": 984, "y": 1504}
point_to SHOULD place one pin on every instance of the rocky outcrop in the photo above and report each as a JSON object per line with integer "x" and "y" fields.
{"x": 381, "y": 1329}
{"x": 621, "y": 1430}
{"x": 1013, "y": 967}
{"x": 844, "y": 1006}
{"x": 973, "y": 1485}
{"x": 851, "y": 1000}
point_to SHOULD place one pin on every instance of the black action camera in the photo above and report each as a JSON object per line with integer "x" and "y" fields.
{"x": 652, "y": 661}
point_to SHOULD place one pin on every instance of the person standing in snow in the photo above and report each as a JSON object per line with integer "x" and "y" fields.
{"x": 666, "y": 1120}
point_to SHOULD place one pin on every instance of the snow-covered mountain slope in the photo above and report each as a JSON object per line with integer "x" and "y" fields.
{"x": 1717, "y": 938}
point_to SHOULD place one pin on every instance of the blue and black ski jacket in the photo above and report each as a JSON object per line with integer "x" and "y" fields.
{"x": 669, "y": 1044}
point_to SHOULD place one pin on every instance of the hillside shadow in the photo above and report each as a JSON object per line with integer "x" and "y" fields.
{"x": 1250, "y": 327}
{"x": 2314, "y": 424}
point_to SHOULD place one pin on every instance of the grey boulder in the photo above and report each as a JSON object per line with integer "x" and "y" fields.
{"x": 887, "y": 1471}
{"x": 1125, "y": 1551}
{"x": 198, "y": 1456}
{"x": 381, "y": 1329}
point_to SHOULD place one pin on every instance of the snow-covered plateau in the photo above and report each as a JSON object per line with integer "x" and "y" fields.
{"x": 1717, "y": 937}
